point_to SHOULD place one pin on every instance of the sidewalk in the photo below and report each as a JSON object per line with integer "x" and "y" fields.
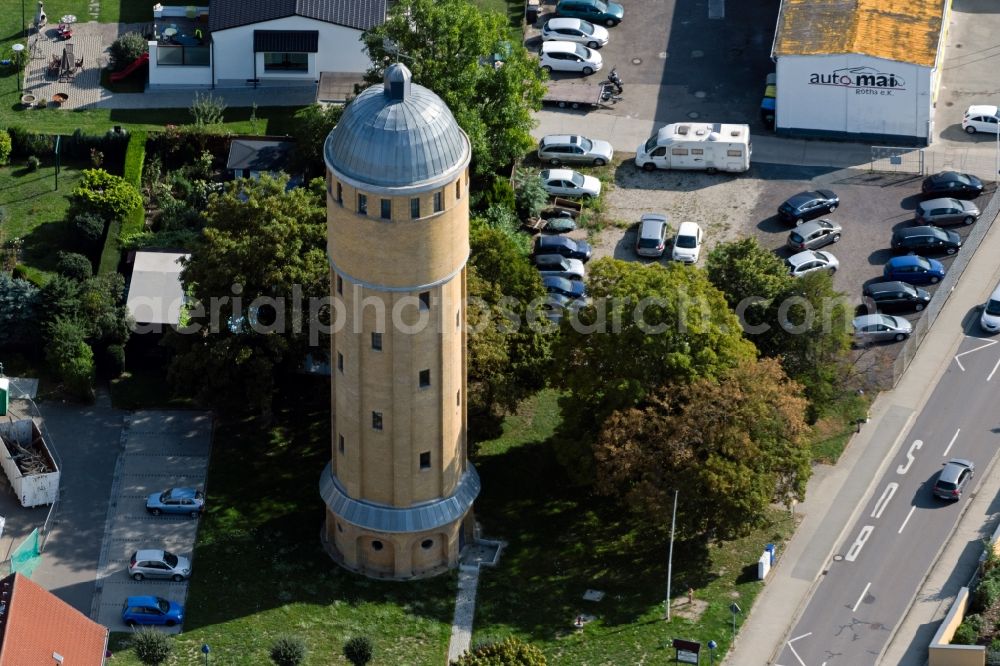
{"x": 835, "y": 495}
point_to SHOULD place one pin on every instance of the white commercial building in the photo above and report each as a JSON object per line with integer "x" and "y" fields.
{"x": 860, "y": 69}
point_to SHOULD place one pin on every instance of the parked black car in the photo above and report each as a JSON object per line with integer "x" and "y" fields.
{"x": 896, "y": 296}
{"x": 925, "y": 240}
{"x": 807, "y": 206}
{"x": 952, "y": 184}
{"x": 567, "y": 247}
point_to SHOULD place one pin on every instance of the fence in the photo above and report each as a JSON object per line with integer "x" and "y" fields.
{"x": 894, "y": 159}
{"x": 909, "y": 348}
{"x": 921, "y": 161}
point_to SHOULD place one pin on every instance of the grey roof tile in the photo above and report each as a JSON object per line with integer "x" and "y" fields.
{"x": 358, "y": 14}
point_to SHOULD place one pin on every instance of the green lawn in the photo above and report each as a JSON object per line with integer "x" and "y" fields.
{"x": 35, "y": 209}
{"x": 259, "y": 568}
{"x": 563, "y": 541}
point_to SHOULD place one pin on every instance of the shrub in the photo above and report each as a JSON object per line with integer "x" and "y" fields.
{"x": 987, "y": 593}
{"x": 510, "y": 651}
{"x": 288, "y": 651}
{"x": 499, "y": 193}
{"x": 42, "y": 102}
{"x": 89, "y": 230}
{"x": 33, "y": 163}
{"x": 74, "y": 266}
{"x": 207, "y": 109}
{"x": 992, "y": 657}
{"x": 112, "y": 362}
{"x": 151, "y": 646}
{"x": 968, "y": 632}
{"x": 24, "y": 142}
{"x": 358, "y": 650}
{"x": 110, "y": 196}
{"x": 71, "y": 357}
{"x": 128, "y": 48}
{"x": 18, "y": 310}
{"x": 5, "y": 147}
{"x": 529, "y": 195}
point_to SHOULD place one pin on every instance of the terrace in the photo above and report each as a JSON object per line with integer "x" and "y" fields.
{"x": 180, "y": 39}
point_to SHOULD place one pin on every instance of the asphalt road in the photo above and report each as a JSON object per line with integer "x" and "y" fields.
{"x": 885, "y": 555}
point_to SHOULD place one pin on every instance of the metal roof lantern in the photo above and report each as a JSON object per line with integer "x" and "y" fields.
{"x": 397, "y": 136}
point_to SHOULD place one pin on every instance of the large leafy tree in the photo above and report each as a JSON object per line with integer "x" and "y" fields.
{"x": 749, "y": 276}
{"x": 311, "y": 127}
{"x": 731, "y": 446}
{"x": 263, "y": 248}
{"x": 648, "y": 325}
{"x": 507, "y": 354}
{"x": 449, "y": 46}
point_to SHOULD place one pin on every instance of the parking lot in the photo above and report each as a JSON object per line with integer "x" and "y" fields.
{"x": 163, "y": 450}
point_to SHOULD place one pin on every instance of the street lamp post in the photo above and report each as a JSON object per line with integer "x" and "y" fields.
{"x": 670, "y": 557}
{"x": 711, "y": 652}
{"x": 205, "y": 650}
{"x": 18, "y": 62}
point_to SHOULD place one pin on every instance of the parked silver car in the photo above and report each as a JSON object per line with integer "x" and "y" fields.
{"x": 158, "y": 564}
{"x": 651, "y": 239}
{"x": 811, "y": 260}
{"x": 559, "y": 149}
{"x": 814, "y": 234}
{"x": 879, "y": 327}
{"x": 946, "y": 211}
{"x": 559, "y": 266}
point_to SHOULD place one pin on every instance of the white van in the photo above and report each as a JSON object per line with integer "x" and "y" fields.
{"x": 701, "y": 146}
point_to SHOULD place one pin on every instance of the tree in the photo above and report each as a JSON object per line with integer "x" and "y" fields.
{"x": 749, "y": 276}
{"x": 449, "y": 46}
{"x": 70, "y": 357}
{"x": 311, "y": 127}
{"x": 288, "y": 651}
{"x": 100, "y": 193}
{"x": 359, "y": 650}
{"x": 151, "y": 647}
{"x": 128, "y": 48}
{"x": 732, "y": 446}
{"x": 5, "y": 147}
{"x": 530, "y": 195}
{"x": 507, "y": 355}
{"x": 511, "y": 651}
{"x": 19, "y": 301}
{"x": 263, "y": 250}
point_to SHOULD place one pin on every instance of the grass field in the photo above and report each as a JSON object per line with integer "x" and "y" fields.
{"x": 259, "y": 570}
{"x": 36, "y": 210}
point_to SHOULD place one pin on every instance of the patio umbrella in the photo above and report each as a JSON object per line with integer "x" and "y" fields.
{"x": 67, "y": 62}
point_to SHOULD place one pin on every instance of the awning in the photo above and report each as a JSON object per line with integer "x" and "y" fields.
{"x": 285, "y": 41}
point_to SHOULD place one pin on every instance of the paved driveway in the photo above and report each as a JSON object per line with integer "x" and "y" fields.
{"x": 162, "y": 449}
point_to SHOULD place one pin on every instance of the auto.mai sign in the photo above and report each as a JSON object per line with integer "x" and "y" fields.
{"x": 864, "y": 80}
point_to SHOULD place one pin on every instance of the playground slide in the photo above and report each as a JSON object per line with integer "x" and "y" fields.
{"x": 139, "y": 62}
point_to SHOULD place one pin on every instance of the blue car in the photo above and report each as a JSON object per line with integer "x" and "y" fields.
{"x": 914, "y": 269}
{"x": 184, "y": 501}
{"x": 152, "y": 611}
{"x": 564, "y": 287}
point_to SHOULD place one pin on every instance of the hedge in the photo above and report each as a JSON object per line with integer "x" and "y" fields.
{"x": 135, "y": 220}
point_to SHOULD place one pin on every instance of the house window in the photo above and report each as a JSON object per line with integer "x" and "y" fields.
{"x": 458, "y": 188}
{"x": 340, "y": 285}
{"x": 425, "y": 300}
{"x": 340, "y": 361}
{"x": 286, "y": 62}
{"x": 386, "y": 209}
{"x": 376, "y": 420}
{"x": 414, "y": 208}
{"x": 425, "y": 460}
{"x": 377, "y": 341}
{"x": 438, "y": 204}
{"x": 340, "y": 193}
{"x": 340, "y": 443}
{"x": 425, "y": 378}
{"x": 362, "y": 204}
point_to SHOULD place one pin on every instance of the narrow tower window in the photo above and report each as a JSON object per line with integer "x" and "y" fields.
{"x": 458, "y": 398}
{"x": 414, "y": 208}
{"x": 425, "y": 460}
{"x": 340, "y": 361}
{"x": 376, "y": 420}
{"x": 425, "y": 300}
{"x": 386, "y": 209}
{"x": 458, "y": 188}
{"x": 425, "y": 378}
{"x": 340, "y": 285}
{"x": 362, "y": 204}
{"x": 438, "y": 204}
{"x": 377, "y": 341}
{"x": 340, "y": 443}
{"x": 340, "y": 193}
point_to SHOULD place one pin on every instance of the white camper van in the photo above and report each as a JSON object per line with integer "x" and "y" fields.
{"x": 703, "y": 146}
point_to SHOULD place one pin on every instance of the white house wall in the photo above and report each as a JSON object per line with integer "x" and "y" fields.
{"x": 853, "y": 94}
{"x": 340, "y": 50}
{"x": 176, "y": 76}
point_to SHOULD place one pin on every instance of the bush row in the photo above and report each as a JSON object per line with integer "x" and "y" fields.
{"x": 135, "y": 220}
{"x": 77, "y": 146}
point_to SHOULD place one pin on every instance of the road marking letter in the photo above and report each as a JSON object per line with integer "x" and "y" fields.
{"x": 903, "y": 469}
{"x": 859, "y": 543}
{"x": 883, "y": 501}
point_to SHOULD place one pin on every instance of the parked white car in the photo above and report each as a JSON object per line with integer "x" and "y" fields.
{"x": 687, "y": 243}
{"x": 811, "y": 260}
{"x": 981, "y": 118}
{"x": 575, "y": 30}
{"x": 990, "y": 319}
{"x": 569, "y": 183}
{"x": 569, "y": 57}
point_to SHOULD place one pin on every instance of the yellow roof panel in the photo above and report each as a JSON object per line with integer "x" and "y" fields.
{"x": 900, "y": 30}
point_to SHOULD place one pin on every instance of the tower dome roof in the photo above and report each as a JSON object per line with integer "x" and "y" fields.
{"x": 397, "y": 135}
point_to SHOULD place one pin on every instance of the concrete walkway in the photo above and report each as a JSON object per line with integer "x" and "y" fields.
{"x": 479, "y": 554}
{"x": 835, "y": 495}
